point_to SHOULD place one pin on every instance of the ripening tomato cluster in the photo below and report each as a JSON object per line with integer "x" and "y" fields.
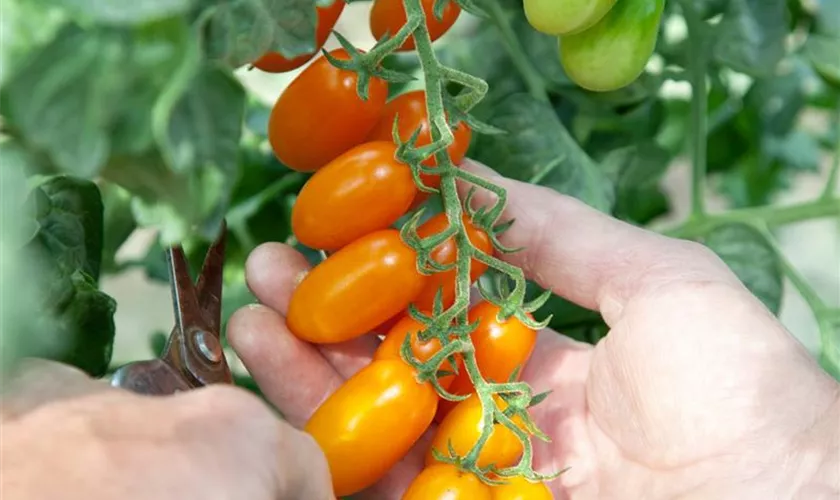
{"x": 372, "y": 421}
{"x": 348, "y": 208}
{"x": 604, "y": 44}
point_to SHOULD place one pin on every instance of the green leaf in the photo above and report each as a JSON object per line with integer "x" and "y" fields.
{"x": 59, "y": 103}
{"x": 495, "y": 66}
{"x": 25, "y": 26}
{"x": 541, "y": 49}
{"x": 89, "y": 93}
{"x": 57, "y": 311}
{"x": 121, "y": 13}
{"x": 751, "y": 36}
{"x": 70, "y": 215}
{"x": 205, "y": 124}
{"x": 637, "y": 171}
{"x": 824, "y": 53}
{"x": 85, "y": 325}
{"x": 751, "y": 257}
{"x": 199, "y": 140}
{"x": 240, "y": 31}
{"x": 538, "y": 147}
{"x": 798, "y": 150}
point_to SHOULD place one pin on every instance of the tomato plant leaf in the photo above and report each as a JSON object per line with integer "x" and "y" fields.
{"x": 636, "y": 172}
{"x": 25, "y": 26}
{"x": 70, "y": 218}
{"x": 199, "y": 140}
{"x": 56, "y": 103}
{"x": 537, "y": 147}
{"x": 84, "y": 334}
{"x": 240, "y": 31}
{"x": 88, "y": 94}
{"x": 57, "y": 275}
{"x": 751, "y": 35}
{"x": 824, "y": 53}
{"x": 205, "y": 124}
{"x": 121, "y": 13}
{"x": 751, "y": 257}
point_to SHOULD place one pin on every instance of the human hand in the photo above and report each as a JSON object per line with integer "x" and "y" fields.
{"x": 68, "y": 436}
{"x": 697, "y": 391}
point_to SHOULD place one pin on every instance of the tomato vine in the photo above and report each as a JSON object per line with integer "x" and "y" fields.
{"x": 440, "y": 105}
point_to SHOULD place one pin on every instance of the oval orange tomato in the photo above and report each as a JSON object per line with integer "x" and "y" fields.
{"x": 319, "y": 115}
{"x": 371, "y": 422}
{"x": 446, "y": 253}
{"x": 499, "y": 348}
{"x": 463, "y": 426}
{"x": 446, "y": 482}
{"x": 423, "y": 351}
{"x": 519, "y": 488}
{"x": 409, "y": 109}
{"x": 388, "y": 16}
{"x": 274, "y": 62}
{"x": 363, "y": 190}
{"x": 355, "y": 289}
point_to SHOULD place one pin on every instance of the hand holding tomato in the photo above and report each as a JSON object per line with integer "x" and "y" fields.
{"x": 696, "y": 392}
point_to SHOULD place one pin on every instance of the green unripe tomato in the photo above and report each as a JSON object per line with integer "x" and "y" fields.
{"x": 563, "y": 17}
{"x": 613, "y": 52}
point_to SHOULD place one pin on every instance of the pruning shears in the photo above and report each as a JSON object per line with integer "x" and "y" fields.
{"x": 193, "y": 355}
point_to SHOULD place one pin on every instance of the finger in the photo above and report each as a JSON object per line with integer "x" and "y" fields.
{"x": 272, "y": 271}
{"x": 36, "y": 382}
{"x": 258, "y": 455}
{"x": 351, "y": 356}
{"x": 292, "y": 374}
{"x": 561, "y": 365}
{"x": 589, "y": 257}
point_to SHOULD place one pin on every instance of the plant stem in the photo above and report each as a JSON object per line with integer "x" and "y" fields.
{"x": 831, "y": 183}
{"x": 533, "y": 79}
{"x": 768, "y": 215}
{"x": 697, "y": 66}
{"x": 823, "y": 315}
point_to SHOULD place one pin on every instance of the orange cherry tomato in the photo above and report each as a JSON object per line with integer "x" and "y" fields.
{"x": 423, "y": 351}
{"x": 446, "y": 482}
{"x": 355, "y": 289}
{"x": 371, "y": 422}
{"x": 446, "y": 253}
{"x": 274, "y": 62}
{"x": 410, "y": 111}
{"x": 519, "y": 488}
{"x": 361, "y": 191}
{"x": 499, "y": 349}
{"x": 319, "y": 115}
{"x": 462, "y": 427}
{"x": 388, "y": 16}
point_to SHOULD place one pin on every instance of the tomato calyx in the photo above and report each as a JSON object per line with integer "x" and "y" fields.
{"x": 367, "y": 65}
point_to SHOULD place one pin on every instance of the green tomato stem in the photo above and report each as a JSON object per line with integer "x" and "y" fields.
{"x": 823, "y": 315}
{"x": 435, "y": 75}
{"x": 697, "y": 66}
{"x": 769, "y": 215}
